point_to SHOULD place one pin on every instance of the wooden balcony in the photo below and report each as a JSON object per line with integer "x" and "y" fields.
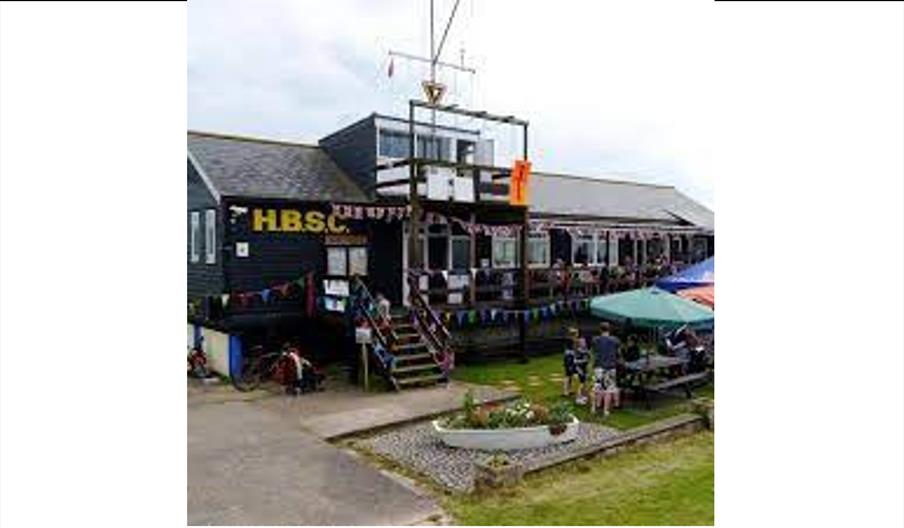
{"x": 501, "y": 287}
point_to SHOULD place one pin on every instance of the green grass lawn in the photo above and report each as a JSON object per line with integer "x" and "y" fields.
{"x": 668, "y": 483}
{"x": 533, "y": 379}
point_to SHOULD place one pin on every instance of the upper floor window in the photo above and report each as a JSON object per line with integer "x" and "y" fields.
{"x": 589, "y": 250}
{"x": 538, "y": 251}
{"x": 583, "y": 250}
{"x": 505, "y": 252}
{"x": 432, "y": 147}
{"x": 195, "y": 228}
{"x": 393, "y": 144}
{"x": 210, "y": 236}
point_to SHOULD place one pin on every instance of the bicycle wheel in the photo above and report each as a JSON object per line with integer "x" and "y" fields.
{"x": 250, "y": 377}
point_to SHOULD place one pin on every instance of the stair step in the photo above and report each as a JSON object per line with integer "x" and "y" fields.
{"x": 409, "y": 346}
{"x": 407, "y": 358}
{"x": 419, "y": 379}
{"x": 414, "y": 368}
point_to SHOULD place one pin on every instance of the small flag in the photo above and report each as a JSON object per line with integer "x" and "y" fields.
{"x": 225, "y": 299}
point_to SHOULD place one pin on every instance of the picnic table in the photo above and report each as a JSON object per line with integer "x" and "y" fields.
{"x": 657, "y": 373}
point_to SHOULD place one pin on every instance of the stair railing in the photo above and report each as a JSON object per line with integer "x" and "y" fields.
{"x": 362, "y": 299}
{"x": 430, "y": 324}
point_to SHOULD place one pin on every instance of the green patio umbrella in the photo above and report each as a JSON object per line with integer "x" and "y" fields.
{"x": 651, "y": 308}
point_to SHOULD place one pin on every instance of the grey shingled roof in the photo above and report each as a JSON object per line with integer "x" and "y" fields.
{"x": 247, "y": 167}
{"x": 558, "y": 194}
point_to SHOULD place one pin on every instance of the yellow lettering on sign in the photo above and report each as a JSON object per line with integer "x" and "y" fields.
{"x": 334, "y": 226}
{"x": 290, "y": 220}
{"x": 264, "y": 222}
{"x": 314, "y": 222}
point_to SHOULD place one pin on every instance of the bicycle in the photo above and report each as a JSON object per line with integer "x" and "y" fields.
{"x": 259, "y": 366}
{"x": 197, "y": 363}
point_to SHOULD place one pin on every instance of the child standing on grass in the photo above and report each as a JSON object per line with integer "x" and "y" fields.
{"x": 570, "y": 367}
{"x": 576, "y": 359}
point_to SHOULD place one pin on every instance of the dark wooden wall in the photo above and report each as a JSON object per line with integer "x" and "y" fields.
{"x": 203, "y": 278}
{"x": 354, "y": 149}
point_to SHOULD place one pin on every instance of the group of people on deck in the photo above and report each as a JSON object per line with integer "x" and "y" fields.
{"x": 605, "y": 350}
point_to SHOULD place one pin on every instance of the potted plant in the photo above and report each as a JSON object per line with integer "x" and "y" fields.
{"x": 518, "y": 425}
{"x": 497, "y": 471}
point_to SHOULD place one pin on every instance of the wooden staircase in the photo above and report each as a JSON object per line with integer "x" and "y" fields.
{"x": 419, "y": 357}
{"x": 415, "y": 362}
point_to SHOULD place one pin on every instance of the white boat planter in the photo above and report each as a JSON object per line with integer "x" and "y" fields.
{"x": 506, "y": 439}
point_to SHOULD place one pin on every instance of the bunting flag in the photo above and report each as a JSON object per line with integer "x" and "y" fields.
{"x": 224, "y": 299}
{"x": 265, "y": 294}
{"x": 391, "y": 213}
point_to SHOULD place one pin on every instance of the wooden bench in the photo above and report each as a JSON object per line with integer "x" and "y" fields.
{"x": 682, "y": 381}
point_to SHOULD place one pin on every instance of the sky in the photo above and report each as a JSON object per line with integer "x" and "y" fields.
{"x": 611, "y": 89}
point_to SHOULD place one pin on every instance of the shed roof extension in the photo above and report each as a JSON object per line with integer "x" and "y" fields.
{"x": 559, "y": 194}
{"x": 262, "y": 168}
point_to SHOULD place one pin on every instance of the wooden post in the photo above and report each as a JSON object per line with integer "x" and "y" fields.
{"x": 364, "y": 363}
{"x": 414, "y": 169}
{"x": 472, "y": 259}
{"x": 525, "y": 275}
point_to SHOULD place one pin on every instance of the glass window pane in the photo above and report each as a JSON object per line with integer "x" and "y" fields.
{"x": 601, "y": 250}
{"x": 461, "y": 253}
{"x": 393, "y": 144}
{"x": 582, "y": 248}
{"x": 538, "y": 250}
{"x": 504, "y": 252}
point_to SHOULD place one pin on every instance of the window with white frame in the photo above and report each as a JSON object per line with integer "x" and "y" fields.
{"x": 505, "y": 252}
{"x": 210, "y": 236}
{"x": 538, "y": 250}
{"x": 591, "y": 250}
{"x": 602, "y": 253}
{"x": 583, "y": 250}
{"x": 195, "y": 227}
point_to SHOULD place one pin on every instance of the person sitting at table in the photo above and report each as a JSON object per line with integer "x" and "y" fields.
{"x": 606, "y": 359}
{"x": 632, "y": 348}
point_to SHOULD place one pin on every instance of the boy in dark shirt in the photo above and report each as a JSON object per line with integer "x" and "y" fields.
{"x": 575, "y": 363}
{"x": 605, "y": 361}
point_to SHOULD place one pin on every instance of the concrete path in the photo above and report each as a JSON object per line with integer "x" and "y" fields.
{"x": 332, "y": 415}
{"x": 250, "y": 465}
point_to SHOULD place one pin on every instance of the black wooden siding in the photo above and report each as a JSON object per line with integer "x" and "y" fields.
{"x": 203, "y": 279}
{"x": 385, "y": 260}
{"x": 273, "y": 257}
{"x": 354, "y": 149}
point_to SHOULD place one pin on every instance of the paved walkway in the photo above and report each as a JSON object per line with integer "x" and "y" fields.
{"x": 331, "y": 415}
{"x": 260, "y": 458}
{"x": 249, "y": 466}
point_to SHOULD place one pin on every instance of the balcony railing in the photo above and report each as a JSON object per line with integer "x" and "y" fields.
{"x": 501, "y": 287}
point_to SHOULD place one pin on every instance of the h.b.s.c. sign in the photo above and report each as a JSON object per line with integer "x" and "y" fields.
{"x": 289, "y": 220}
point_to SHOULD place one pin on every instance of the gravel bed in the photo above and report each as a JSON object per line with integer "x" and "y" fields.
{"x": 418, "y": 447}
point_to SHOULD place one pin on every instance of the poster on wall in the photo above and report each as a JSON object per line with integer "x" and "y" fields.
{"x": 336, "y": 261}
{"x": 357, "y": 261}
{"x": 337, "y": 288}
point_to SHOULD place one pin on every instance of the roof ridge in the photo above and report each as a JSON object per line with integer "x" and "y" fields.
{"x": 252, "y": 139}
{"x": 607, "y": 180}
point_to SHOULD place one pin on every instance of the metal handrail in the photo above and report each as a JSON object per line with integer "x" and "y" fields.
{"x": 363, "y": 292}
{"x": 431, "y": 325}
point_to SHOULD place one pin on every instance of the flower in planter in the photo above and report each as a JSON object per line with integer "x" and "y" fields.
{"x": 498, "y": 460}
